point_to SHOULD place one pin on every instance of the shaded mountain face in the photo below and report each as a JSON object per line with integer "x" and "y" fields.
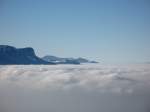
{"x": 59, "y": 60}
{"x": 52, "y": 58}
{"x": 12, "y": 55}
{"x": 82, "y": 60}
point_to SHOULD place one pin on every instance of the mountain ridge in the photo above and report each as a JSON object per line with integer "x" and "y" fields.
{"x": 10, "y": 55}
{"x": 60, "y": 60}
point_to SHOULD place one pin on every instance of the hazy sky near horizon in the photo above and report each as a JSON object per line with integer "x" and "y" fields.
{"x": 111, "y": 31}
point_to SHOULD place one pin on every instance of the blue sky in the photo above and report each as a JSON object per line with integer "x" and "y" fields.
{"x": 110, "y": 31}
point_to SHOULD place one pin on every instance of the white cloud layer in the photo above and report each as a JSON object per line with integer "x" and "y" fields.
{"x": 75, "y": 88}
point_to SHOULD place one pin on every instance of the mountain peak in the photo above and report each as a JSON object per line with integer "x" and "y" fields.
{"x": 12, "y": 55}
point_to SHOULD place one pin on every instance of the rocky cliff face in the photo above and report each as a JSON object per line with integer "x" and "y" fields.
{"x": 12, "y": 55}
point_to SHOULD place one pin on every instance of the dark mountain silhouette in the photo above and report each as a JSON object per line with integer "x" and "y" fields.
{"x": 12, "y": 55}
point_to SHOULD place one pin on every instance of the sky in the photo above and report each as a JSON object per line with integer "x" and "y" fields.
{"x": 109, "y": 31}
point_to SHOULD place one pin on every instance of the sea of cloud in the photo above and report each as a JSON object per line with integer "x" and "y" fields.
{"x": 75, "y": 88}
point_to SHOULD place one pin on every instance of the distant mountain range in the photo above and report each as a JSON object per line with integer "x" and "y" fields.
{"x": 59, "y": 60}
{"x": 25, "y": 56}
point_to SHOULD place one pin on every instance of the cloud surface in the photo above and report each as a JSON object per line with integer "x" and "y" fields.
{"x": 75, "y": 88}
